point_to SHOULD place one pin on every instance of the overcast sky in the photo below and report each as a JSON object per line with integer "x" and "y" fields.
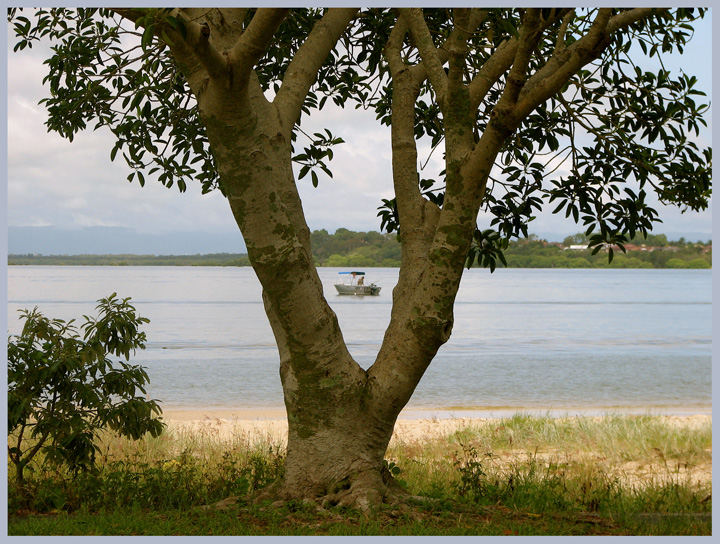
{"x": 55, "y": 182}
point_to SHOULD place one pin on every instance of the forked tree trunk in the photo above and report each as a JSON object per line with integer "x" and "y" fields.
{"x": 340, "y": 416}
{"x": 340, "y": 424}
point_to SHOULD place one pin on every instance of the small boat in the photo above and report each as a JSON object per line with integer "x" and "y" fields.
{"x": 356, "y": 285}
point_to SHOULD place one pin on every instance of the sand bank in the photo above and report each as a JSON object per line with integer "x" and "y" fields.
{"x": 271, "y": 423}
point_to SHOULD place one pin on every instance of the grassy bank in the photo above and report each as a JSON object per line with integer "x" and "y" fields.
{"x": 521, "y": 475}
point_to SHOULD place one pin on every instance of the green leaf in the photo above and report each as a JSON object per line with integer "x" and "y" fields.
{"x": 147, "y": 36}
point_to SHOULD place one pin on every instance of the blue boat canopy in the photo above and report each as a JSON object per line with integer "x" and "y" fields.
{"x": 355, "y": 272}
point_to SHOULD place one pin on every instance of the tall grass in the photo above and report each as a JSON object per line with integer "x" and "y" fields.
{"x": 180, "y": 468}
{"x": 642, "y": 472}
{"x": 616, "y": 465}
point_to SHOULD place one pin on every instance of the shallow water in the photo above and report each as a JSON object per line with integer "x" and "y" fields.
{"x": 548, "y": 339}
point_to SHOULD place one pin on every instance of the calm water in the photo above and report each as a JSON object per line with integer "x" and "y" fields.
{"x": 567, "y": 340}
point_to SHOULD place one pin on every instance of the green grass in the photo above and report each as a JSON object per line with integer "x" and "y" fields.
{"x": 522, "y": 475}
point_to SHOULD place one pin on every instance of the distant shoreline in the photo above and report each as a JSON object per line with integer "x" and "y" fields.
{"x": 241, "y": 260}
{"x": 346, "y": 248}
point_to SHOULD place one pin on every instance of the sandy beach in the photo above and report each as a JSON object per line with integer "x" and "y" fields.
{"x": 412, "y": 425}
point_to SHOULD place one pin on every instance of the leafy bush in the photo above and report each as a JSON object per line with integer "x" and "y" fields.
{"x": 675, "y": 263}
{"x": 63, "y": 387}
{"x": 472, "y": 482}
{"x": 698, "y": 263}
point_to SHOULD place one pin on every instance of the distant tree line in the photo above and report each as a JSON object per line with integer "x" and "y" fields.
{"x": 654, "y": 252}
{"x": 348, "y": 248}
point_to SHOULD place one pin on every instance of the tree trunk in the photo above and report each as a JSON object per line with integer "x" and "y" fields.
{"x": 336, "y": 451}
{"x": 337, "y": 434}
{"x": 20, "y": 475}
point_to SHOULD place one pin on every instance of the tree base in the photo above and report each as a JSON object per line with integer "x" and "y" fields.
{"x": 364, "y": 491}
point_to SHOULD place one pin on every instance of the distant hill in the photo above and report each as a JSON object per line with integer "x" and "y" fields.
{"x": 118, "y": 240}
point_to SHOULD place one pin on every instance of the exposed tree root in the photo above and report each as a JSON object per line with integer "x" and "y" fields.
{"x": 364, "y": 492}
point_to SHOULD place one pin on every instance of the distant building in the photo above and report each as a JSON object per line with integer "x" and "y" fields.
{"x": 635, "y": 247}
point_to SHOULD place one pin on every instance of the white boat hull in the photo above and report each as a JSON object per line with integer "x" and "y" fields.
{"x": 360, "y": 290}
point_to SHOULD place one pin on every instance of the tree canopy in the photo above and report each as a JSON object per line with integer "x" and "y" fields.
{"x": 614, "y": 128}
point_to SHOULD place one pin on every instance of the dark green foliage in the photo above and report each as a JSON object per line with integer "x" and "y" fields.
{"x": 349, "y": 248}
{"x": 625, "y": 129}
{"x": 137, "y": 91}
{"x": 471, "y": 483}
{"x": 314, "y": 155}
{"x": 142, "y": 96}
{"x": 63, "y": 386}
{"x": 487, "y": 248}
{"x": 181, "y": 482}
{"x": 389, "y": 217}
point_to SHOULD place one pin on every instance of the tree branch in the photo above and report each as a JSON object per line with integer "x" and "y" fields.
{"x": 560, "y": 42}
{"x": 465, "y": 23}
{"x": 233, "y": 16}
{"x": 226, "y": 24}
{"x": 626, "y": 18}
{"x": 254, "y": 42}
{"x": 404, "y": 148}
{"x": 197, "y": 38}
{"x": 420, "y": 34}
{"x": 18, "y": 453}
{"x": 392, "y": 49}
{"x": 476, "y": 17}
{"x": 494, "y": 67}
{"x": 195, "y": 42}
{"x": 556, "y": 72}
{"x": 563, "y": 64}
{"x": 498, "y": 63}
{"x": 528, "y": 37}
{"x": 303, "y": 69}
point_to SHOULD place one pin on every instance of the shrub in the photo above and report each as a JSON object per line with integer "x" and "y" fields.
{"x": 63, "y": 387}
{"x": 675, "y": 263}
{"x": 698, "y": 263}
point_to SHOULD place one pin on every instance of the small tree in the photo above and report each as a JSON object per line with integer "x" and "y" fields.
{"x": 64, "y": 388}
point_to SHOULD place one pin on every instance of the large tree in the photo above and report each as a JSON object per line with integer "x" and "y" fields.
{"x": 511, "y": 97}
